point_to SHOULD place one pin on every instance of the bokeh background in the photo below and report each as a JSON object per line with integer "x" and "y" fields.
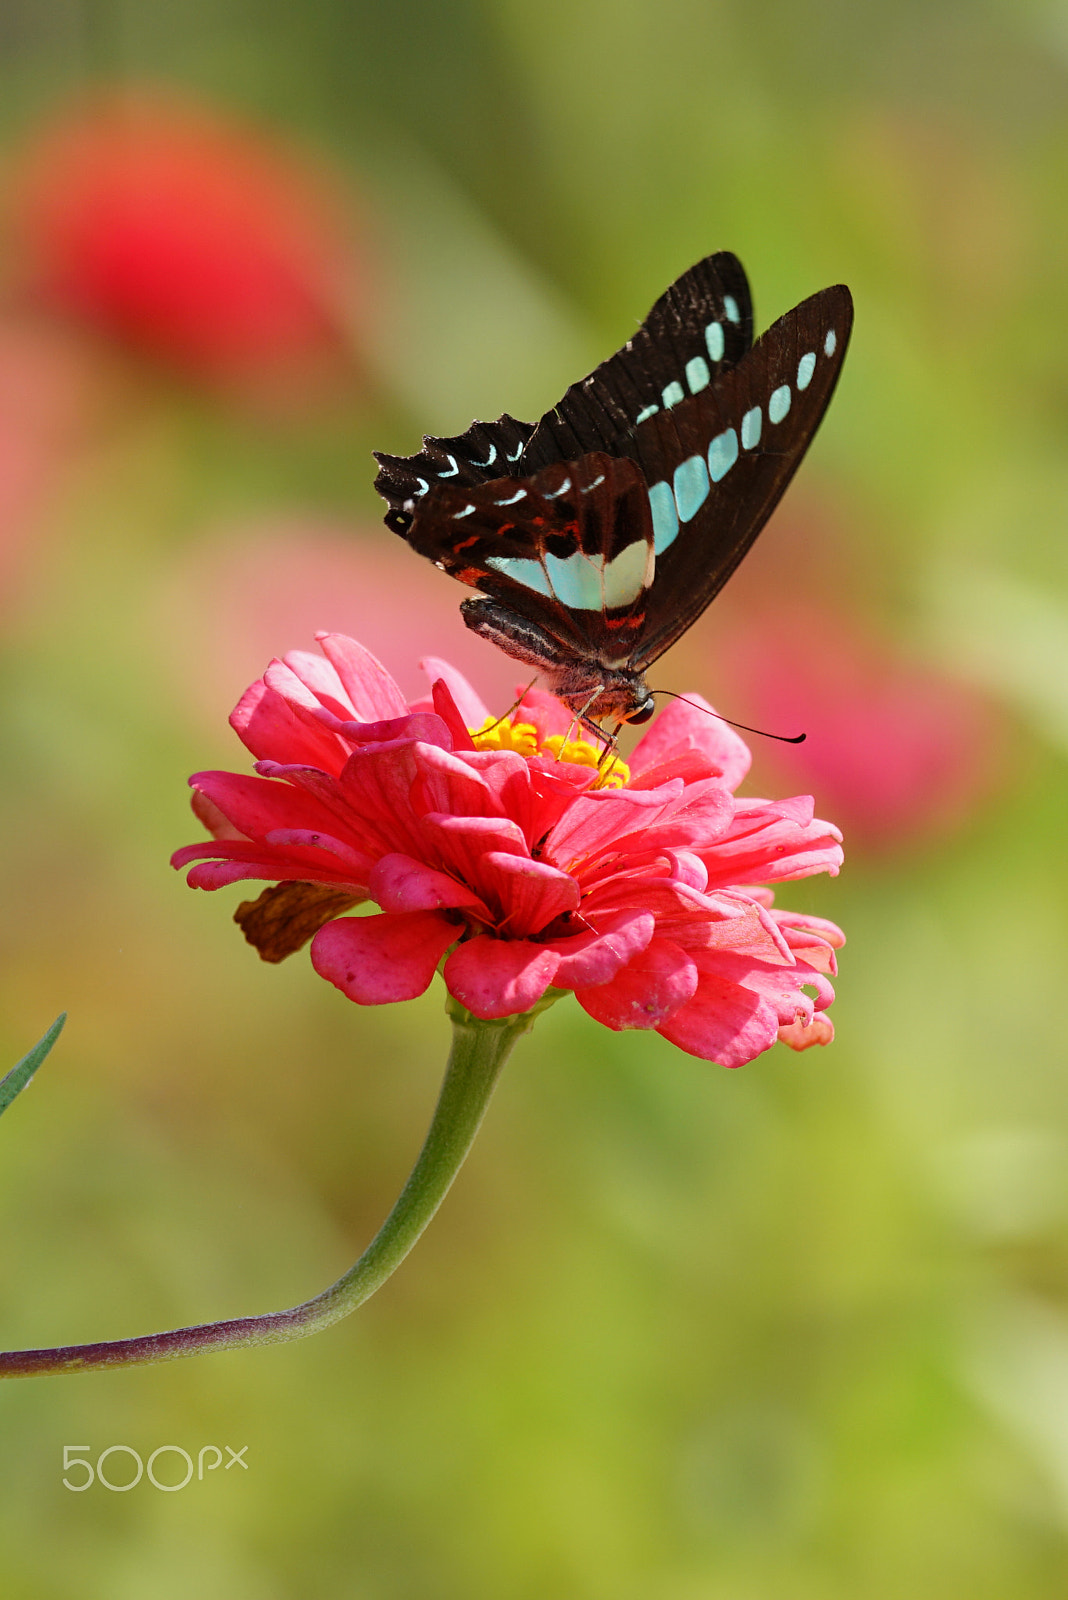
{"x": 799, "y": 1331}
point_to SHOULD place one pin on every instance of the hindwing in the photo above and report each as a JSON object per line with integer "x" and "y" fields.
{"x": 570, "y": 548}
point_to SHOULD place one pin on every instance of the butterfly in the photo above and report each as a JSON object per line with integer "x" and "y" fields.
{"x": 597, "y": 536}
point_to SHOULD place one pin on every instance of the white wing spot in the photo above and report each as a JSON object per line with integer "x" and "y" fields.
{"x": 805, "y": 368}
{"x": 466, "y": 512}
{"x": 830, "y": 344}
{"x": 520, "y": 494}
{"x": 455, "y": 468}
{"x": 490, "y": 459}
{"x": 673, "y": 394}
{"x": 646, "y": 412}
{"x": 588, "y": 486}
{"x": 423, "y": 485}
{"x": 730, "y": 306}
{"x": 697, "y": 374}
{"x": 665, "y": 516}
{"x": 779, "y": 403}
{"x": 564, "y": 487}
{"x": 627, "y": 575}
{"x": 518, "y": 453}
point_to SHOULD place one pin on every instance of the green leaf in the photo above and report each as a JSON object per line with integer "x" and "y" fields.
{"x": 19, "y": 1076}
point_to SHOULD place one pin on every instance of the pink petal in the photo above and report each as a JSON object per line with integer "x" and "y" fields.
{"x": 507, "y": 777}
{"x": 598, "y": 820}
{"x": 377, "y": 785}
{"x": 595, "y": 957}
{"x": 399, "y": 883}
{"x": 814, "y": 952}
{"x": 461, "y": 842}
{"x": 470, "y": 705}
{"x": 271, "y": 729}
{"x": 651, "y": 891}
{"x": 499, "y": 977}
{"x": 696, "y": 821}
{"x": 769, "y": 842}
{"x": 379, "y": 959}
{"x": 722, "y": 1023}
{"x": 220, "y": 874}
{"x": 208, "y": 813}
{"x": 372, "y": 691}
{"x": 426, "y": 726}
{"x": 749, "y": 933}
{"x": 450, "y": 783}
{"x": 302, "y": 700}
{"x": 801, "y": 1035}
{"x": 354, "y": 862}
{"x": 691, "y": 766}
{"x": 531, "y": 894}
{"x": 322, "y": 682}
{"x": 782, "y": 986}
{"x": 646, "y": 991}
{"x": 256, "y": 805}
{"x": 446, "y": 708}
{"x": 554, "y": 787}
{"x": 830, "y": 932}
{"x": 278, "y": 868}
{"x": 686, "y": 725}
{"x": 688, "y": 868}
{"x": 250, "y": 850}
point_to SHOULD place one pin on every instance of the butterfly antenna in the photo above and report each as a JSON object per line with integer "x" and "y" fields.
{"x": 761, "y": 733}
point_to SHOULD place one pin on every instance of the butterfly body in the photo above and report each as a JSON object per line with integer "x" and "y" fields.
{"x": 598, "y": 536}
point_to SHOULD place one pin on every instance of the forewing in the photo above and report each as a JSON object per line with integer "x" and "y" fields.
{"x": 488, "y": 450}
{"x": 699, "y": 328}
{"x": 717, "y": 464}
{"x": 569, "y": 548}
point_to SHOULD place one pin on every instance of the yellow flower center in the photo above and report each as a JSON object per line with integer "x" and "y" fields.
{"x": 504, "y": 733}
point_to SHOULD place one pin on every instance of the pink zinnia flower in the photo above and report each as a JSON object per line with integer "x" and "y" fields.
{"x": 504, "y": 851}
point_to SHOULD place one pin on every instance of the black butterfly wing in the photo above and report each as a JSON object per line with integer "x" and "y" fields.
{"x": 488, "y": 450}
{"x": 717, "y": 464}
{"x": 570, "y": 549}
{"x": 560, "y": 523}
{"x": 699, "y": 328}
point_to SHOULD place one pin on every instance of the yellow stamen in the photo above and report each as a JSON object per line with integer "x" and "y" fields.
{"x": 522, "y": 737}
{"x": 504, "y": 734}
{"x": 614, "y": 774}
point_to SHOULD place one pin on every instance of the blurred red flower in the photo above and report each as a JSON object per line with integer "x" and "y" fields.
{"x": 503, "y": 847}
{"x": 901, "y": 752}
{"x": 191, "y": 237}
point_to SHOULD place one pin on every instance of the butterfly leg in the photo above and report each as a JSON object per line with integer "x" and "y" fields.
{"x": 611, "y": 749}
{"x": 581, "y": 717}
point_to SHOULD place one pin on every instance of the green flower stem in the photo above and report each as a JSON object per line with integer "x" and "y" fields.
{"x": 479, "y": 1051}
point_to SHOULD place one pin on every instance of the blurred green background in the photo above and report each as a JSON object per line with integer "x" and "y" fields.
{"x": 798, "y": 1332}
